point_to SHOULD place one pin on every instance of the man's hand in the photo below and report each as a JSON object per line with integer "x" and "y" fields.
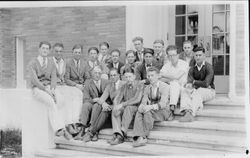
{"x": 147, "y": 108}
{"x": 106, "y": 107}
{"x": 79, "y": 86}
{"x": 96, "y": 100}
{"x": 141, "y": 108}
{"x": 51, "y": 92}
{"x": 189, "y": 88}
{"x": 117, "y": 109}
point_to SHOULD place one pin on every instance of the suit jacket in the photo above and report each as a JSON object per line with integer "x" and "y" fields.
{"x": 137, "y": 55}
{"x": 141, "y": 72}
{"x": 110, "y": 92}
{"x": 40, "y": 78}
{"x": 90, "y": 91}
{"x": 161, "y": 60}
{"x": 120, "y": 64}
{"x": 72, "y": 76}
{"x": 163, "y": 92}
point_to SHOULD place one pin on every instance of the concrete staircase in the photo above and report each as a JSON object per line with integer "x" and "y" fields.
{"x": 219, "y": 129}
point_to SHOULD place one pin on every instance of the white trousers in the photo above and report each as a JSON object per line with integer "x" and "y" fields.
{"x": 54, "y": 117}
{"x": 194, "y": 101}
{"x": 175, "y": 90}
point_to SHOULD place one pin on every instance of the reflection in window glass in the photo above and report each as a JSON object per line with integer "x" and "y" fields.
{"x": 227, "y": 64}
{"x": 228, "y": 22}
{"x": 180, "y": 25}
{"x": 192, "y": 26}
{"x": 180, "y": 9}
{"x": 179, "y": 41}
{"x": 218, "y": 7}
{"x": 193, "y": 39}
{"x": 218, "y": 44}
{"x": 218, "y": 22}
{"x": 227, "y": 44}
{"x": 192, "y": 9}
{"x": 218, "y": 63}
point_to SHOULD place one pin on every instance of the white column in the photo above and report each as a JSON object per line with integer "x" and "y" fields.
{"x": 19, "y": 63}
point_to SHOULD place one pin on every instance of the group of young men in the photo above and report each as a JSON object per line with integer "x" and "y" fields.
{"x": 82, "y": 95}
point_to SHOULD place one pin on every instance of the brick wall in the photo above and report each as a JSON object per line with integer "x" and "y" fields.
{"x": 240, "y": 51}
{"x": 70, "y": 25}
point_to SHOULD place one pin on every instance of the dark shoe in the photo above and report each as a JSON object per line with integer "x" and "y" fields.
{"x": 119, "y": 139}
{"x": 87, "y": 137}
{"x": 140, "y": 142}
{"x": 188, "y": 117}
{"x": 95, "y": 137}
{"x": 71, "y": 129}
{"x": 67, "y": 135}
{"x": 124, "y": 135}
{"x": 171, "y": 115}
{"x": 59, "y": 133}
{"x": 80, "y": 135}
{"x": 113, "y": 138}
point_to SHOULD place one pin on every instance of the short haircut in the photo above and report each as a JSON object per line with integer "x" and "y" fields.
{"x": 130, "y": 51}
{"x": 199, "y": 49}
{"x": 93, "y": 48}
{"x": 172, "y": 47}
{"x": 148, "y": 51}
{"x": 153, "y": 68}
{"x": 77, "y": 46}
{"x": 58, "y": 45}
{"x": 129, "y": 70}
{"x": 104, "y": 44}
{"x": 114, "y": 69}
{"x": 138, "y": 39}
{"x": 159, "y": 41}
{"x": 96, "y": 67}
{"x": 187, "y": 41}
{"x": 46, "y": 43}
{"x": 115, "y": 50}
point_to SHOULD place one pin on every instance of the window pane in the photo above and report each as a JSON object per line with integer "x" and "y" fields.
{"x": 218, "y": 7}
{"x": 193, "y": 39}
{"x": 228, "y": 22}
{"x": 192, "y": 27}
{"x": 227, "y": 44}
{"x": 179, "y": 41}
{"x": 218, "y": 64}
{"x": 180, "y": 9}
{"x": 228, "y": 6}
{"x": 227, "y": 64}
{"x": 218, "y": 44}
{"x": 180, "y": 25}
{"x": 218, "y": 22}
{"x": 192, "y": 9}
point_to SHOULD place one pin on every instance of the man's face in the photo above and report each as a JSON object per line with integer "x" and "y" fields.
{"x": 114, "y": 76}
{"x": 130, "y": 77}
{"x": 173, "y": 56}
{"x": 77, "y": 53}
{"x": 96, "y": 73}
{"x": 104, "y": 49}
{"x": 158, "y": 47}
{"x": 148, "y": 58}
{"x": 152, "y": 76}
{"x": 187, "y": 47}
{"x": 93, "y": 55}
{"x": 131, "y": 58}
{"x": 138, "y": 45}
{"x": 44, "y": 50}
{"x": 115, "y": 57}
{"x": 58, "y": 52}
{"x": 199, "y": 57}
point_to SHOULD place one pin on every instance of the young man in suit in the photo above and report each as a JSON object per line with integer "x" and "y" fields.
{"x": 141, "y": 69}
{"x": 93, "y": 88}
{"x": 115, "y": 63}
{"x": 159, "y": 53}
{"x": 199, "y": 88}
{"x": 188, "y": 54}
{"x": 105, "y": 103}
{"x": 174, "y": 73}
{"x": 153, "y": 107}
{"x": 43, "y": 81}
{"x": 76, "y": 72}
{"x": 138, "y": 44}
{"x": 125, "y": 106}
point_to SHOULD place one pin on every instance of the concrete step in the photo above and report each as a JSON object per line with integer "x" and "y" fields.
{"x": 65, "y": 153}
{"x": 127, "y": 149}
{"x": 195, "y": 140}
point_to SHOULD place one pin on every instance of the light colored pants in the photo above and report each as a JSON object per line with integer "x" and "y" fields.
{"x": 54, "y": 117}
{"x": 194, "y": 101}
{"x": 72, "y": 104}
{"x": 121, "y": 123}
{"x": 175, "y": 90}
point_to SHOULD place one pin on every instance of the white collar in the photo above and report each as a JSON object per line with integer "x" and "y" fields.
{"x": 55, "y": 60}
{"x": 157, "y": 85}
{"x": 158, "y": 55}
{"x": 199, "y": 67}
{"x": 40, "y": 59}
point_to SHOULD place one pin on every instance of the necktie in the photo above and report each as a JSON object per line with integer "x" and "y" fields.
{"x": 78, "y": 66}
{"x": 44, "y": 63}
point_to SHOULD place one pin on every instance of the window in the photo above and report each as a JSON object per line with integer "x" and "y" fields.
{"x": 186, "y": 24}
{"x": 221, "y": 38}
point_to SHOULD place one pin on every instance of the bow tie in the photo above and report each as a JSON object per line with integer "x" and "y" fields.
{"x": 149, "y": 65}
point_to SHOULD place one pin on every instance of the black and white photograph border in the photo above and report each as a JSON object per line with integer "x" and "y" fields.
{"x": 220, "y": 129}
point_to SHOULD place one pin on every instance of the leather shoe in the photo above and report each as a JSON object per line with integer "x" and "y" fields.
{"x": 67, "y": 135}
{"x": 87, "y": 137}
{"x": 113, "y": 138}
{"x": 140, "y": 142}
{"x": 118, "y": 140}
{"x": 80, "y": 134}
{"x": 95, "y": 137}
{"x": 188, "y": 117}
